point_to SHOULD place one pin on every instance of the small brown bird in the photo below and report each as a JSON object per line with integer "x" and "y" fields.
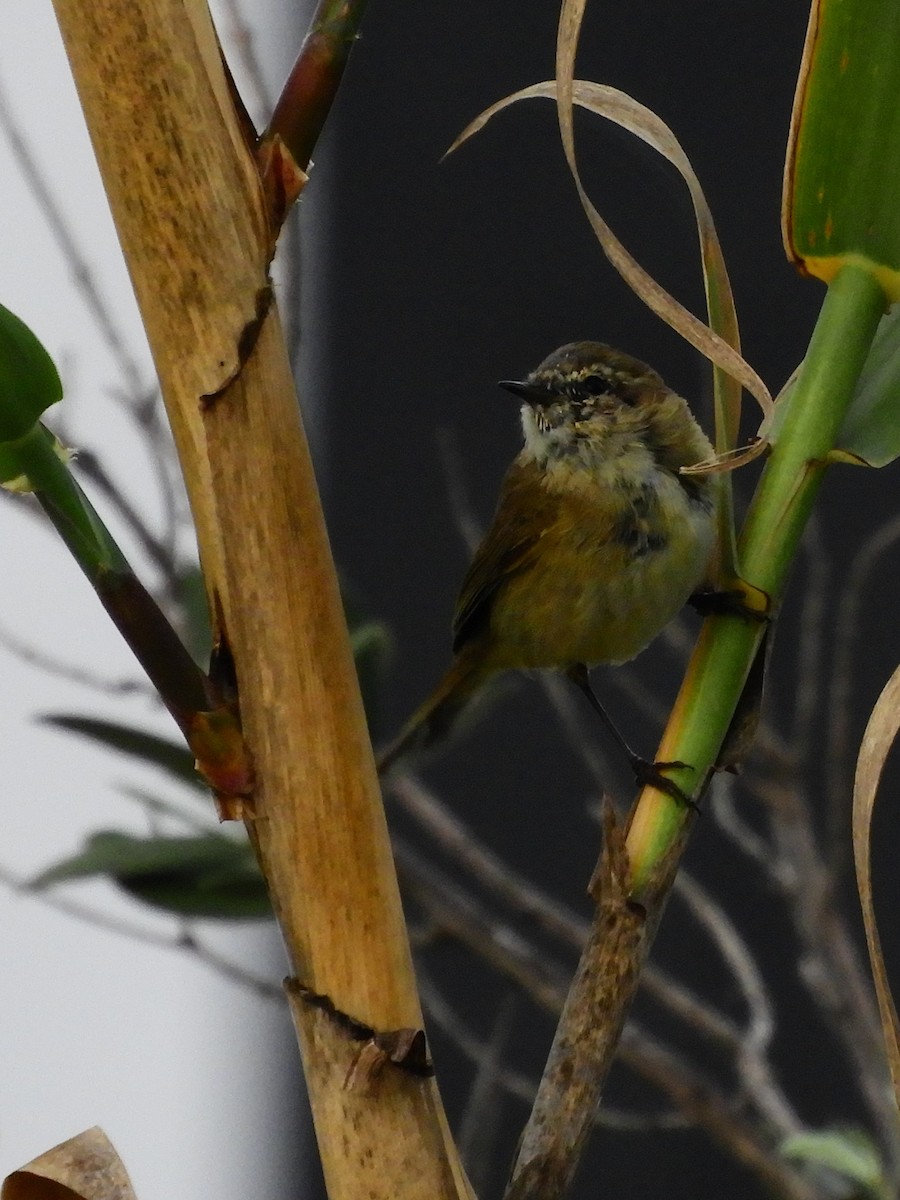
{"x": 597, "y": 541}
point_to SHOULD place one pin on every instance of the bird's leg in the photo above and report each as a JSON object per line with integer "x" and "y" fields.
{"x": 644, "y": 772}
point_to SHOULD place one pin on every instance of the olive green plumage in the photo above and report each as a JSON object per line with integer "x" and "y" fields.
{"x": 597, "y": 540}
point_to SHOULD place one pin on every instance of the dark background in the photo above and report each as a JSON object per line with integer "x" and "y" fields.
{"x": 443, "y": 277}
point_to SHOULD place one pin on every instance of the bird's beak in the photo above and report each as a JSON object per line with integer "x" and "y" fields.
{"x": 524, "y": 390}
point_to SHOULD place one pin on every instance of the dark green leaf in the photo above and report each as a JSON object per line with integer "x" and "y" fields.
{"x": 843, "y": 172}
{"x": 371, "y": 644}
{"x": 871, "y": 429}
{"x": 192, "y": 596}
{"x": 210, "y": 875}
{"x": 29, "y": 382}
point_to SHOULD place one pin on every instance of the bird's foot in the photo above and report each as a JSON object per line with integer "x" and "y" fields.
{"x": 650, "y": 774}
{"x": 750, "y": 605}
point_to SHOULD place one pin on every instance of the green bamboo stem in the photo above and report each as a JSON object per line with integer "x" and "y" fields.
{"x": 312, "y": 85}
{"x": 182, "y": 685}
{"x": 712, "y": 688}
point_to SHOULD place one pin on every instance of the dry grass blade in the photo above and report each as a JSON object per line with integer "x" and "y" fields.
{"x": 881, "y": 733}
{"x": 86, "y": 1167}
{"x": 714, "y": 346}
{"x": 628, "y": 113}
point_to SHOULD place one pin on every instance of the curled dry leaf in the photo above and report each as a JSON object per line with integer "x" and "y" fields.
{"x": 719, "y": 347}
{"x": 881, "y": 733}
{"x": 86, "y": 1167}
{"x": 628, "y": 113}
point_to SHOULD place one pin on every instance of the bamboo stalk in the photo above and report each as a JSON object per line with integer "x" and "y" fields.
{"x": 187, "y": 202}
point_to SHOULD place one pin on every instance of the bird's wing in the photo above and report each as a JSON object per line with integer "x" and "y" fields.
{"x": 525, "y": 511}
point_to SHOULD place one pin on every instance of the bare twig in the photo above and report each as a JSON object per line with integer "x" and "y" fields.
{"x": 141, "y": 399}
{"x": 830, "y": 965}
{"x": 748, "y": 1048}
{"x": 480, "y": 1122}
{"x": 458, "y": 915}
{"x": 185, "y": 941}
{"x": 454, "y": 913}
{"x": 736, "y": 955}
{"x": 708, "y": 1108}
{"x": 753, "y": 1066}
{"x": 481, "y": 864}
{"x": 589, "y": 1028}
{"x": 241, "y": 37}
{"x": 518, "y": 1085}
{"x": 468, "y": 526}
{"x": 757, "y": 848}
{"x": 567, "y": 707}
{"x": 82, "y": 274}
{"x": 38, "y": 658}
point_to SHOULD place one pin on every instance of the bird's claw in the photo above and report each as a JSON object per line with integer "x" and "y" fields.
{"x": 650, "y": 774}
{"x": 732, "y": 602}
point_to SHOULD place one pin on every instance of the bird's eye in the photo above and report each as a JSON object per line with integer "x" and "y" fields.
{"x": 593, "y": 385}
{"x": 588, "y": 387}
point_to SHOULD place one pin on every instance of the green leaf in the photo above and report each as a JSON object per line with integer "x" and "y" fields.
{"x": 843, "y": 172}
{"x": 210, "y": 875}
{"x": 848, "y": 1152}
{"x": 172, "y": 757}
{"x": 29, "y": 382}
{"x": 870, "y": 432}
{"x": 371, "y": 644}
{"x": 192, "y": 597}
{"x": 871, "y": 429}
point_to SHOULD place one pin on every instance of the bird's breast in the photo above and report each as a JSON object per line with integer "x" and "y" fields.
{"x": 620, "y": 555}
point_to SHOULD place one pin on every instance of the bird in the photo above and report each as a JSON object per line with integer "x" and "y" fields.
{"x": 598, "y": 539}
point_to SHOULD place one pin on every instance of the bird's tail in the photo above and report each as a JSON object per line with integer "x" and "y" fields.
{"x": 434, "y": 718}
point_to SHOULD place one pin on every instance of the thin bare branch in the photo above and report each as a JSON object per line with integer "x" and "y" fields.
{"x": 566, "y": 705}
{"x": 759, "y": 850}
{"x": 480, "y": 1124}
{"x": 736, "y": 955}
{"x": 42, "y": 661}
{"x": 468, "y": 526}
{"x": 830, "y": 965}
{"x": 81, "y": 271}
{"x": 518, "y": 1085}
{"x": 240, "y": 35}
{"x": 457, "y": 914}
{"x": 708, "y": 1108}
{"x": 753, "y": 1067}
{"x": 185, "y": 941}
{"x": 508, "y": 887}
{"x": 481, "y": 864}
